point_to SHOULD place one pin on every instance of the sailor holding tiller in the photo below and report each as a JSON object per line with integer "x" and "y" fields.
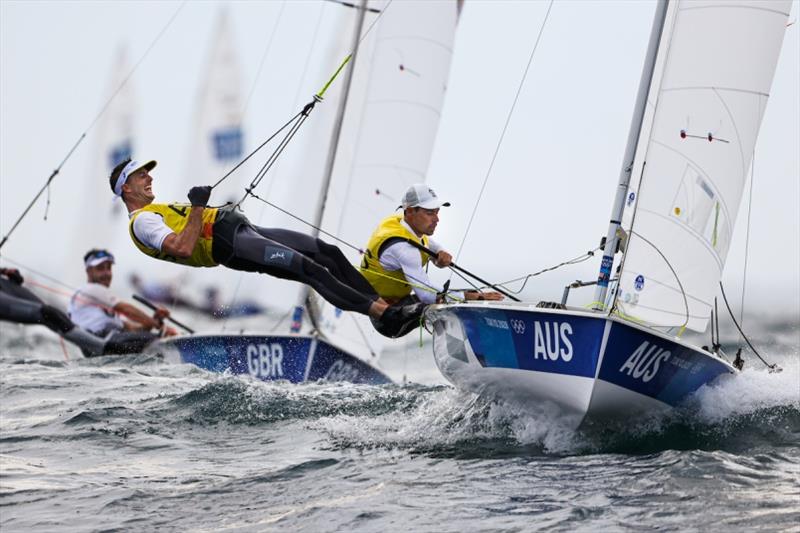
{"x": 395, "y": 268}
{"x": 96, "y": 308}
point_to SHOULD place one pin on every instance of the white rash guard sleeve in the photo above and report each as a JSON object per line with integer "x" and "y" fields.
{"x": 150, "y": 229}
{"x": 403, "y": 256}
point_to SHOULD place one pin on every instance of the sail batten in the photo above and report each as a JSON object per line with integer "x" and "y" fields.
{"x": 714, "y": 76}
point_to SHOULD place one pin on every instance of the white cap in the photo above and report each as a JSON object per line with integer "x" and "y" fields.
{"x": 420, "y": 195}
{"x": 97, "y": 257}
{"x": 131, "y": 168}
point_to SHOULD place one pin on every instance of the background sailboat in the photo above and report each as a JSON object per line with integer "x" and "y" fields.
{"x": 705, "y": 84}
{"x": 113, "y": 141}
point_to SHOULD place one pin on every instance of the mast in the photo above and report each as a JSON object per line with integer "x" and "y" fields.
{"x": 612, "y": 238}
{"x": 331, "y": 159}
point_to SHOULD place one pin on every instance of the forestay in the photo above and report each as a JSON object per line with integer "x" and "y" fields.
{"x": 713, "y": 74}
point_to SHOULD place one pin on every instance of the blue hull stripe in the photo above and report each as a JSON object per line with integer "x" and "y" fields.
{"x": 542, "y": 341}
{"x": 570, "y": 345}
{"x": 272, "y": 358}
{"x": 656, "y": 367}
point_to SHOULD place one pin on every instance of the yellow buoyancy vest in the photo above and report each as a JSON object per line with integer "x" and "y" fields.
{"x": 391, "y": 285}
{"x": 176, "y": 216}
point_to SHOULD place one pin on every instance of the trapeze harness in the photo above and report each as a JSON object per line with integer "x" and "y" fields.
{"x": 228, "y": 238}
{"x": 391, "y": 285}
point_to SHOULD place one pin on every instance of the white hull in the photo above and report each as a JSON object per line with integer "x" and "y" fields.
{"x": 528, "y": 357}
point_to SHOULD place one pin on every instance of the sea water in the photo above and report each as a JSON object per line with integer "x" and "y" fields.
{"x": 135, "y": 443}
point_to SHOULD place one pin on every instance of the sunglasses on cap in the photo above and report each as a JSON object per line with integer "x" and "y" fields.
{"x": 95, "y": 257}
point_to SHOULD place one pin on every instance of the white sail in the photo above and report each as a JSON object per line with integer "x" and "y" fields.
{"x": 714, "y": 70}
{"x": 113, "y": 142}
{"x": 218, "y": 138}
{"x": 216, "y": 145}
{"x": 388, "y": 135}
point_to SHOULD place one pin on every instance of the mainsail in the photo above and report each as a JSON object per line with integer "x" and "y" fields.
{"x": 388, "y": 134}
{"x": 714, "y": 69}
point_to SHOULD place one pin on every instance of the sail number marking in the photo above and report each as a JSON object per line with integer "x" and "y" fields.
{"x": 265, "y": 360}
{"x": 645, "y": 361}
{"x": 551, "y": 340}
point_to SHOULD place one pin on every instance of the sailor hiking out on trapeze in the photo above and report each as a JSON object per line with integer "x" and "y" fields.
{"x": 200, "y": 236}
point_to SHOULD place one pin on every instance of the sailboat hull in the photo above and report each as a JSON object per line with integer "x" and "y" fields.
{"x": 587, "y": 365}
{"x": 294, "y": 358}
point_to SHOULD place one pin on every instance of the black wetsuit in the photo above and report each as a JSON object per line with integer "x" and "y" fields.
{"x": 291, "y": 255}
{"x": 121, "y": 342}
{"x": 18, "y": 304}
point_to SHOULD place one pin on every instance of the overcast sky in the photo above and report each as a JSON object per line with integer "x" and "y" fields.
{"x": 547, "y": 199}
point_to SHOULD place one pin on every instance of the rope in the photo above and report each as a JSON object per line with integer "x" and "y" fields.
{"x": 419, "y": 285}
{"x": 302, "y": 220}
{"x": 363, "y": 336}
{"x": 505, "y": 127}
{"x": 300, "y": 117}
{"x": 773, "y": 367}
{"x": 264, "y": 55}
{"x": 747, "y": 237}
{"x": 314, "y": 40}
{"x": 251, "y": 154}
{"x": 580, "y": 259}
{"x": 60, "y": 292}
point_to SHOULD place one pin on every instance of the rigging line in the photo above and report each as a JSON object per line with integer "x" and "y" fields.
{"x": 284, "y": 211}
{"x": 372, "y": 24}
{"x": 747, "y": 237}
{"x": 318, "y": 97}
{"x": 297, "y": 99}
{"x": 457, "y": 273}
{"x": 683, "y": 292}
{"x": 773, "y": 366}
{"x": 91, "y": 125}
{"x": 41, "y": 274}
{"x": 38, "y": 194}
{"x": 331, "y": 235}
{"x": 298, "y": 92}
{"x": 505, "y": 127}
{"x": 363, "y": 335}
{"x": 580, "y": 259}
{"x": 278, "y": 150}
{"x": 281, "y": 320}
{"x": 263, "y": 58}
{"x": 264, "y": 55}
{"x": 136, "y": 66}
{"x": 251, "y": 154}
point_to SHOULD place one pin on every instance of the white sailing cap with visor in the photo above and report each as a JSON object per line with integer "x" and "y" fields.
{"x": 131, "y": 168}
{"x": 97, "y": 257}
{"x": 420, "y": 195}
